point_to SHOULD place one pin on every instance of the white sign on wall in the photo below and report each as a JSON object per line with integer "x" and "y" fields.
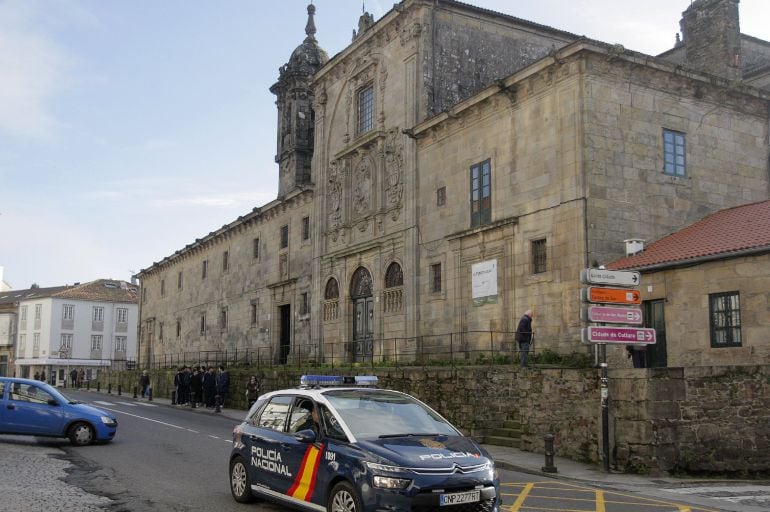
{"x": 484, "y": 282}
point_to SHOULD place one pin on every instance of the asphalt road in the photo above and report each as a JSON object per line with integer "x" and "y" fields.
{"x": 176, "y": 459}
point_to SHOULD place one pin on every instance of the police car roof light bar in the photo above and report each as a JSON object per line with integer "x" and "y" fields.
{"x": 309, "y": 381}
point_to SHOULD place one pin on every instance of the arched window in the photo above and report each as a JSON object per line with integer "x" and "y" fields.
{"x": 361, "y": 284}
{"x": 332, "y": 289}
{"x": 393, "y": 276}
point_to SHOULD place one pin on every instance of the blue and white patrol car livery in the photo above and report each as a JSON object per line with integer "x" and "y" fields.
{"x": 328, "y": 446}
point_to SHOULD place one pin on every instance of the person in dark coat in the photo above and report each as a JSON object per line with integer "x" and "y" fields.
{"x": 74, "y": 377}
{"x": 524, "y": 337}
{"x": 209, "y": 387}
{"x": 252, "y": 390}
{"x": 223, "y": 385}
{"x": 144, "y": 382}
{"x": 196, "y": 386}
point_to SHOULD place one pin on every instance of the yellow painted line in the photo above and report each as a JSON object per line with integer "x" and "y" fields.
{"x": 600, "y": 502}
{"x": 522, "y": 496}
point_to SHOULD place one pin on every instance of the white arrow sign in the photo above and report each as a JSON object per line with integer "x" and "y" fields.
{"x": 610, "y": 277}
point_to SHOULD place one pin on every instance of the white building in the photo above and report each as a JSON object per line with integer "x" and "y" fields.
{"x": 90, "y": 326}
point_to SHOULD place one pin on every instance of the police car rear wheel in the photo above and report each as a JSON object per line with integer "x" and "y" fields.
{"x": 344, "y": 498}
{"x": 240, "y": 482}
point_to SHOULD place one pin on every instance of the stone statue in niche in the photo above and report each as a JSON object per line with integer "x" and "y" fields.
{"x": 362, "y": 178}
{"x": 394, "y": 163}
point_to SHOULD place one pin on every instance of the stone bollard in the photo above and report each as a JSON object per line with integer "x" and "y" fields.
{"x": 549, "y": 453}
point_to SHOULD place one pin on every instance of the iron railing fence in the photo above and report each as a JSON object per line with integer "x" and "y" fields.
{"x": 451, "y": 349}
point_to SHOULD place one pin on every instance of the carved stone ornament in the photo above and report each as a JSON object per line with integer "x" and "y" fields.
{"x": 334, "y": 194}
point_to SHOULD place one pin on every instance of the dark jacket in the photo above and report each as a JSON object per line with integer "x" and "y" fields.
{"x": 524, "y": 330}
{"x": 223, "y": 382}
{"x": 209, "y": 381}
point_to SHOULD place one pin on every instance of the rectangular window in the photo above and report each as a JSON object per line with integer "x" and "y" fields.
{"x": 162, "y": 287}
{"x": 365, "y": 109}
{"x": 38, "y": 312}
{"x": 144, "y": 294}
{"x": 223, "y": 318}
{"x": 36, "y": 342}
{"x": 160, "y": 332}
{"x": 441, "y": 196}
{"x": 178, "y": 328}
{"x": 305, "y": 228}
{"x": 24, "y": 314}
{"x": 254, "y": 312}
{"x": 66, "y": 341}
{"x": 481, "y": 193}
{"x": 435, "y": 278}
{"x": 255, "y": 249}
{"x": 725, "y": 319}
{"x": 204, "y": 269}
{"x": 674, "y": 161}
{"x": 22, "y": 342}
{"x": 98, "y": 314}
{"x": 120, "y": 343}
{"x": 284, "y": 237}
{"x": 539, "y": 256}
{"x": 122, "y": 315}
{"x": 225, "y": 261}
{"x": 96, "y": 342}
{"x": 304, "y": 307}
{"x": 68, "y": 312}
{"x": 203, "y": 323}
{"x": 179, "y": 281}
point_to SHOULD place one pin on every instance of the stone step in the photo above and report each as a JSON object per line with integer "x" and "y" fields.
{"x": 507, "y": 432}
{"x": 514, "y": 424}
{"x": 502, "y": 441}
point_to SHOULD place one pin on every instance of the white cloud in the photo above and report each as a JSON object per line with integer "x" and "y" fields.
{"x": 227, "y": 200}
{"x": 34, "y": 70}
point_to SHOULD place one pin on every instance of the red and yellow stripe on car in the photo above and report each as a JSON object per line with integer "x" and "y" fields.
{"x": 303, "y": 485}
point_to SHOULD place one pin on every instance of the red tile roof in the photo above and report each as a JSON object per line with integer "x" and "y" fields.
{"x": 726, "y": 233}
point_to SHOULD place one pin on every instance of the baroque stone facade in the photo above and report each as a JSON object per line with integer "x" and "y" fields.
{"x": 446, "y": 137}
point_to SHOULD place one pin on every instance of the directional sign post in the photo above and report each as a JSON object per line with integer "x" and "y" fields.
{"x": 610, "y": 295}
{"x": 614, "y": 315}
{"x": 624, "y": 335}
{"x": 609, "y": 277}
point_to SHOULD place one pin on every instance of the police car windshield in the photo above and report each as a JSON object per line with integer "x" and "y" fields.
{"x": 380, "y": 413}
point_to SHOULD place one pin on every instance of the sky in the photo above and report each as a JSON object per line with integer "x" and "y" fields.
{"x": 130, "y": 128}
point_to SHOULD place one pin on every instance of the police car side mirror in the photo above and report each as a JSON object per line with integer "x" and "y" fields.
{"x": 305, "y": 436}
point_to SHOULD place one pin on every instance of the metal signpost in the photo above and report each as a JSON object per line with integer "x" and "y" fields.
{"x": 617, "y": 287}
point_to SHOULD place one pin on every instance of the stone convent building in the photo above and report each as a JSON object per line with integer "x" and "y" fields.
{"x": 453, "y": 167}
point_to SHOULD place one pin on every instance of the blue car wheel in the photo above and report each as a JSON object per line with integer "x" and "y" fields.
{"x": 81, "y": 434}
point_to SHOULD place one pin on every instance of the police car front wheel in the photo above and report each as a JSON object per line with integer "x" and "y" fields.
{"x": 344, "y": 498}
{"x": 240, "y": 482}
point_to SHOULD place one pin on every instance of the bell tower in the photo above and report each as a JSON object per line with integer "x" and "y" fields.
{"x": 296, "y": 118}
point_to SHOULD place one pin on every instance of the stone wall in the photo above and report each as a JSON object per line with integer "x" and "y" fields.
{"x": 700, "y": 420}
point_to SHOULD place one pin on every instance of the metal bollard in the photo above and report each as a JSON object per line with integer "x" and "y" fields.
{"x": 149, "y": 394}
{"x": 134, "y": 391}
{"x": 120, "y": 389}
{"x": 88, "y": 385}
{"x": 109, "y": 388}
{"x": 98, "y": 387}
{"x": 216, "y": 402}
{"x": 192, "y": 401}
{"x": 173, "y": 397}
{"x": 549, "y": 452}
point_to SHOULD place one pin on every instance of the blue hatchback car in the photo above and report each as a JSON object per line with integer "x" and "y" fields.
{"x": 31, "y": 407}
{"x": 354, "y": 448}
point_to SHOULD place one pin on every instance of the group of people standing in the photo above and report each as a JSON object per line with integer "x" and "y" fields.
{"x": 202, "y": 385}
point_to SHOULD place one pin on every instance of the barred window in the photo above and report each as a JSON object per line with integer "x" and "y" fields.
{"x": 178, "y": 328}
{"x": 539, "y": 256}
{"x": 441, "y": 196}
{"x": 254, "y": 312}
{"x": 204, "y": 269}
{"x": 725, "y": 319}
{"x": 284, "y": 237}
{"x": 332, "y": 289}
{"x": 304, "y": 307}
{"x": 255, "y": 248}
{"x": 305, "y": 228}
{"x": 365, "y": 109}
{"x": 203, "y": 323}
{"x": 394, "y": 276}
{"x": 225, "y": 261}
{"x": 179, "y": 281}
{"x": 481, "y": 193}
{"x": 223, "y": 318}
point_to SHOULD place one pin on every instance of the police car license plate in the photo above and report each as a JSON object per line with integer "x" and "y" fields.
{"x": 457, "y": 498}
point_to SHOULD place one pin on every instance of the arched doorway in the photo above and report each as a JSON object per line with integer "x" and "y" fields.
{"x": 363, "y": 314}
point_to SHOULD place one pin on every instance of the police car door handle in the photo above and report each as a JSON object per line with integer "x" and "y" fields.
{"x": 10, "y": 406}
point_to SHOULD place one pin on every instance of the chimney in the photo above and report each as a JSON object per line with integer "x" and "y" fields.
{"x": 712, "y": 37}
{"x": 634, "y": 246}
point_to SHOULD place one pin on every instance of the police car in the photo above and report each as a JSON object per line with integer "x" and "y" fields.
{"x": 344, "y": 445}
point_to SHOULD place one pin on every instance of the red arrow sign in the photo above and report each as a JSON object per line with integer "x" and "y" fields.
{"x": 626, "y": 335}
